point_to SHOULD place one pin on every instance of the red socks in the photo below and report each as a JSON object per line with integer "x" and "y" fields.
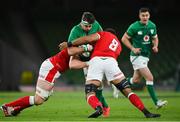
{"x": 136, "y": 101}
{"x": 93, "y": 101}
{"x": 20, "y": 103}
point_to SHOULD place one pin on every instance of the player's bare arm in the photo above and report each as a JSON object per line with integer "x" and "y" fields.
{"x": 155, "y": 42}
{"x": 86, "y": 39}
{"x": 75, "y": 50}
{"x": 78, "y": 50}
{"x": 63, "y": 45}
{"x": 126, "y": 41}
{"x": 82, "y": 40}
{"x": 75, "y": 63}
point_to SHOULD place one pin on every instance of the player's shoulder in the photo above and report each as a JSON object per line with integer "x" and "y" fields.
{"x": 96, "y": 22}
{"x": 134, "y": 24}
{"x": 74, "y": 33}
{"x": 150, "y": 23}
{"x": 105, "y": 33}
{"x": 65, "y": 50}
{"x": 102, "y": 32}
{"x": 76, "y": 28}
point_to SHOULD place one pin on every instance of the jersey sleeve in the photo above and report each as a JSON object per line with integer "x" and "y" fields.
{"x": 130, "y": 31}
{"x": 73, "y": 35}
{"x": 154, "y": 34}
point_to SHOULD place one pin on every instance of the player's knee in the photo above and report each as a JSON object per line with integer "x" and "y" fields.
{"x": 90, "y": 88}
{"x": 149, "y": 78}
{"x": 38, "y": 100}
{"x": 122, "y": 85}
{"x": 42, "y": 95}
{"x": 136, "y": 80}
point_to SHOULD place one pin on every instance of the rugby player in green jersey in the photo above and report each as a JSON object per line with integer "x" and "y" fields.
{"x": 87, "y": 26}
{"x": 144, "y": 38}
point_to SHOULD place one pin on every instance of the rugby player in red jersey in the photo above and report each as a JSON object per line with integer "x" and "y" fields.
{"x": 50, "y": 69}
{"x": 103, "y": 61}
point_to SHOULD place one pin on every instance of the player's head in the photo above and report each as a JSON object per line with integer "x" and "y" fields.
{"x": 144, "y": 15}
{"x": 111, "y": 30}
{"x": 87, "y": 21}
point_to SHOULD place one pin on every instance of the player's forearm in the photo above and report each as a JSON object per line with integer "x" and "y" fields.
{"x": 75, "y": 50}
{"x": 155, "y": 42}
{"x": 86, "y": 39}
{"x": 126, "y": 42}
{"x": 77, "y": 64}
{"x": 79, "y": 41}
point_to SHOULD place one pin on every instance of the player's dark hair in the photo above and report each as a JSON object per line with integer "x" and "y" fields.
{"x": 113, "y": 31}
{"x": 89, "y": 17}
{"x": 144, "y": 9}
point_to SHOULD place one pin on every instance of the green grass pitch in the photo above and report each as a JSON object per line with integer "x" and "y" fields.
{"x": 71, "y": 106}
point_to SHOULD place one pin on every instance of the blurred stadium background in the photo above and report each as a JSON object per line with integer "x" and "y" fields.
{"x": 30, "y": 31}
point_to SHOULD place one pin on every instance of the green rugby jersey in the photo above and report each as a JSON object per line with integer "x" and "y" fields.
{"x": 142, "y": 36}
{"x": 77, "y": 32}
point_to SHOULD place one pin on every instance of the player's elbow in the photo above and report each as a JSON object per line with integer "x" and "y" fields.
{"x": 123, "y": 39}
{"x": 71, "y": 66}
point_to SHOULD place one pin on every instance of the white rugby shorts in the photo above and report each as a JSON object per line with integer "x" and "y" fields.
{"x": 139, "y": 62}
{"x": 48, "y": 72}
{"x": 108, "y": 66}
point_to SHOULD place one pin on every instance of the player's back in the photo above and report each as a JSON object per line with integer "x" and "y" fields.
{"x": 108, "y": 45}
{"x": 61, "y": 60}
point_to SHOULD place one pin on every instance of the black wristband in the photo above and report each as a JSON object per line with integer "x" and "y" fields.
{"x": 69, "y": 44}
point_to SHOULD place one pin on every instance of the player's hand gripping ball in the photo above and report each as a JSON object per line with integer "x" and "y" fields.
{"x": 87, "y": 48}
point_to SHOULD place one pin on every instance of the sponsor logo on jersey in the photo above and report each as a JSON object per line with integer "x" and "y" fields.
{"x": 146, "y": 42}
{"x": 140, "y": 32}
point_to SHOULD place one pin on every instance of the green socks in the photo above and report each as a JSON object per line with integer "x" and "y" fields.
{"x": 129, "y": 79}
{"x": 150, "y": 88}
{"x": 101, "y": 98}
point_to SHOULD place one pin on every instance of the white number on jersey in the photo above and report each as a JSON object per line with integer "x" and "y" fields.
{"x": 114, "y": 44}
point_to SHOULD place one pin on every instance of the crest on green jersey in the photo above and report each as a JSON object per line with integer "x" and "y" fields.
{"x": 152, "y": 31}
{"x": 146, "y": 38}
